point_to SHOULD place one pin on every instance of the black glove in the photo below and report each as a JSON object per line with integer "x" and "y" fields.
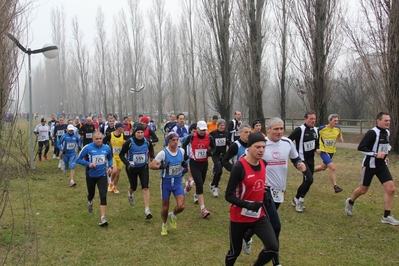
{"x": 63, "y": 152}
{"x": 268, "y": 200}
{"x": 254, "y": 206}
{"x": 163, "y": 165}
{"x": 130, "y": 167}
{"x": 185, "y": 157}
{"x": 79, "y": 148}
{"x": 184, "y": 164}
{"x": 209, "y": 153}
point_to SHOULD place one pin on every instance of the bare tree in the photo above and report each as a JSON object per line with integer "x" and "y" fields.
{"x": 318, "y": 24}
{"x": 81, "y": 61}
{"x": 101, "y": 55}
{"x": 216, "y": 53}
{"x": 157, "y": 26}
{"x": 250, "y": 36}
{"x": 377, "y": 43}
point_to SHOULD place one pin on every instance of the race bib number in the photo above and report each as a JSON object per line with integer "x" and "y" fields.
{"x": 249, "y": 213}
{"x": 70, "y": 146}
{"x": 89, "y": 135}
{"x": 139, "y": 158}
{"x": 126, "y": 133}
{"x": 116, "y": 150}
{"x": 200, "y": 154}
{"x": 43, "y": 137}
{"x": 329, "y": 142}
{"x": 98, "y": 159}
{"x": 385, "y": 148}
{"x": 175, "y": 170}
{"x": 60, "y": 132}
{"x": 309, "y": 145}
{"x": 220, "y": 142}
{"x": 277, "y": 194}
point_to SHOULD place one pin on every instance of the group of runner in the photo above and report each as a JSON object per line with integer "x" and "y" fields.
{"x": 243, "y": 150}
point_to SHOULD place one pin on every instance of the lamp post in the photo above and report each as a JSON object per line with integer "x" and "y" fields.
{"x": 50, "y": 51}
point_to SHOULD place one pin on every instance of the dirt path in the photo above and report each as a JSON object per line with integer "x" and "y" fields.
{"x": 347, "y": 145}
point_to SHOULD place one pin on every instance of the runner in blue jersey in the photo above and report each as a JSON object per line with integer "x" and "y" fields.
{"x": 68, "y": 144}
{"x": 181, "y": 129}
{"x": 171, "y": 161}
{"x": 237, "y": 149}
{"x": 95, "y": 156}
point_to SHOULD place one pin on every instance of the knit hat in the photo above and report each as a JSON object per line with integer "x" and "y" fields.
{"x": 255, "y": 137}
{"x": 255, "y": 122}
{"x": 144, "y": 119}
{"x": 221, "y": 121}
{"x": 139, "y": 127}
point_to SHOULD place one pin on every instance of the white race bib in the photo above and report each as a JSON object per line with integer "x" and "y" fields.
{"x": 126, "y": 133}
{"x": 249, "y": 213}
{"x": 385, "y": 148}
{"x": 70, "y": 146}
{"x": 277, "y": 194}
{"x": 98, "y": 159}
{"x": 60, "y": 132}
{"x": 329, "y": 142}
{"x": 89, "y": 135}
{"x": 175, "y": 170}
{"x": 200, "y": 154}
{"x": 309, "y": 145}
{"x": 116, "y": 150}
{"x": 220, "y": 142}
{"x": 139, "y": 158}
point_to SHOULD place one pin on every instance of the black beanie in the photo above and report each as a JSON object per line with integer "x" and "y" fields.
{"x": 255, "y": 137}
{"x": 139, "y": 127}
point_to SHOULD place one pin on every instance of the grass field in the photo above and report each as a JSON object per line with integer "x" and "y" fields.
{"x": 66, "y": 234}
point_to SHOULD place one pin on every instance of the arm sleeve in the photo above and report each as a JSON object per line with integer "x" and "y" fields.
{"x": 230, "y": 154}
{"x": 368, "y": 138}
{"x": 185, "y": 143}
{"x": 106, "y": 139}
{"x": 154, "y": 137}
{"x": 295, "y": 135}
{"x": 151, "y": 150}
{"x": 80, "y": 159}
{"x": 236, "y": 176}
{"x": 124, "y": 151}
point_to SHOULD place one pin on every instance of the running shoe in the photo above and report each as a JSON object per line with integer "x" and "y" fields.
{"x": 389, "y": 220}
{"x": 40, "y": 159}
{"x": 72, "y": 183}
{"x": 173, "y": 221}
{"x": 115, "y": 190}
{"x": 215, "y": 192}
{"x": 247, "y": 246}
{"x": 294, "y": 201}
{"x": 164, "y": 231}
{"x": 205, "y": 213}
{"x": 211, "y": 187}
{"x": 337, "y": 189}
{"x": 45, "y": 157}
{"x": 148, "y": 215}
{"x": 54, "y": 156}
{"x": 348, "y": 207}
{"x": 195, "y": 199}
{"x": 130, "y": 198}
{"x": 103, "y": 222}
{"x": 299, "y": 206}
{"x": 110, "y": 187}
{"x": 90, "y": 206}
{"x": 189, "y": 184}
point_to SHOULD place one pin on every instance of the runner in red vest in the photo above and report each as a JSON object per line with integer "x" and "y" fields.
{"x": 148, "y": 133}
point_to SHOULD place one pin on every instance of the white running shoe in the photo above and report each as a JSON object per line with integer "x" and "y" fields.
{"x": 389, "y": 220}
{"x": 247, "y": 246}
{"x": 130, "y": 198}
{"x": 215, "y": 192}
{"x": 349, "y": 208}
{"x": 299, "y": 206}
{"x": 103, "y": 221}
{"x": 211, "y": 187}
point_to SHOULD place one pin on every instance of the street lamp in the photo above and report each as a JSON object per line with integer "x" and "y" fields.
{"x": 50, "y": 51}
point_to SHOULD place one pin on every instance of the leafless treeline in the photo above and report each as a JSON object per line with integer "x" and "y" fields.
{"x": 265, "y": 58}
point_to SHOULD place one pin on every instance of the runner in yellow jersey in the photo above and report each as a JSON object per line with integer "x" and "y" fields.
{"x": 328, "y": 139}
{"x": 115, "y": 140}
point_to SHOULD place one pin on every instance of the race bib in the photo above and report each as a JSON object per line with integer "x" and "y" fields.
{"x": 277, "y": 194}
{"x": 70, "y": 146}
{"x": 249, "y": 213}
{"x": 309, "y": 145}
{"x": 139, "y": 158}
{"x": 89, "y": 135}
{"x": 42, "y": 137}
{"x": 175, "y": 170}
{"x": 220, "y": 142}
{"x": 60, "y": 132}
{"x": 200, "y": 154}
{"x": 116, "y": 150}
{"x": 329, "y": 142}
{"x": 126, "y": 133}
{"x": 98, "y": 159}
{"x": 385, "y": 148}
